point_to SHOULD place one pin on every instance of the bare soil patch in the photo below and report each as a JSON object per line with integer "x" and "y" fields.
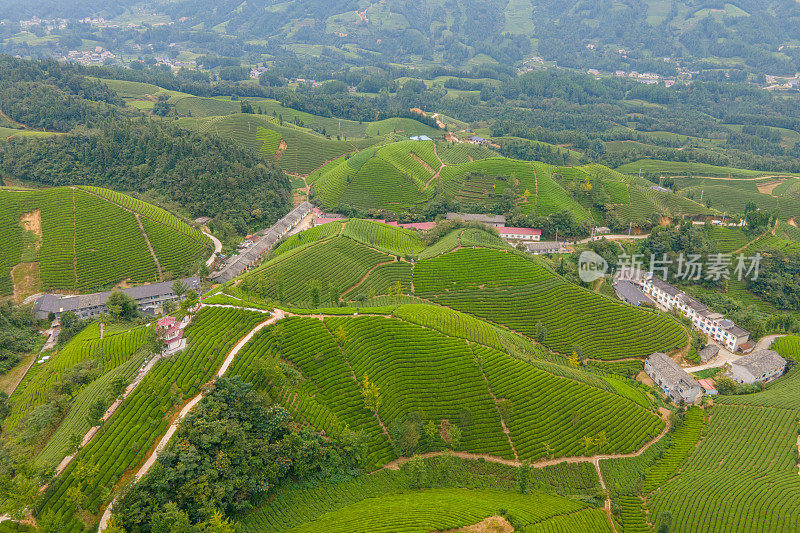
{"x": 27, "y": 280}
{"x": 281, "y": 148}
{"x": 792, "y": 222}
{"x": 768, "y": 186}
{"x": 32, "y": 222}
{"x": 9, "y": 380}
{"x": 644, "y": 378}
{"x": 492, "y": 524}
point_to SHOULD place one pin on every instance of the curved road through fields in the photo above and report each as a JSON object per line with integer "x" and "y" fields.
{"x": 278, "y": 315}
{"x": 217, "y": 248}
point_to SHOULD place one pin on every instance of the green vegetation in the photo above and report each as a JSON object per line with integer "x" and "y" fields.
{"x": 297, "y": 505}
{"x": 105, "y": 354}
{"x": 757, "y": 447}
{"x": 439, "y": 509}
{"x": 295, "y": 149}
{"x": 518, "y": 292}
{"x": 85, "y": 239}
{"x": 204, "y": 174}
{"x": 426, "y": 378}
{"x": 143, "y": 417}
{"x": 677, "y": 168}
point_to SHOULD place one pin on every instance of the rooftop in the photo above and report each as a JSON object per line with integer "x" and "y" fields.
{"x": 543, "y": 245}
{"x": 670, "y": 371}
{"x": 631, "y": 293}
{"x": 761, "y": 362}
{"x": 477, "y": 217}
{"x": 505, "y": 230}
{"x": 52, "y": 303}
{"x": 664, "y": 286}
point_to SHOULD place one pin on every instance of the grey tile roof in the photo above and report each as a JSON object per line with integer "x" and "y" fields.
{"x": 51, "y": 303}
{"x": 543, "y": 245}
{"x": 477, "y": 217}
{"x": 268, "y": 238}
{"x": 671, "y": 373}
{"x": 761, "y": 362}
{"x": 629, "y": 292}
{"x": 736, "y": 331}
{"x": 664, "y": 286}
{"x": 708, "y": 353}
{"x": 694, "y": 304}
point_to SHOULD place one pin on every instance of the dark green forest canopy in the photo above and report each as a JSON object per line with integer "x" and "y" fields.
{"x": 231, "y": 450}
{"x": 207, "y": 175}
{"x": 52, "y": 96}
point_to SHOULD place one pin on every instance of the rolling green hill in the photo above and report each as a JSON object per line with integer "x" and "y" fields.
{"x": 469, "y": 270}
{"x": 296, "y": 150}
{"x": 87, "y": 238}
{"x": 405, "y": 175}
{"x": 677, "y": 168}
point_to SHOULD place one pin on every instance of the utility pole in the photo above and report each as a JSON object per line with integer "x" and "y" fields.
{"x": 630, "y": 228}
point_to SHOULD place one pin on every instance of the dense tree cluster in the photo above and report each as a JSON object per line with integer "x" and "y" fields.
{"x": 18, "y": 332}
{"x": 229, "y": 453}
{"x": 52, "y": 96}
{"x": 206, "y": 175}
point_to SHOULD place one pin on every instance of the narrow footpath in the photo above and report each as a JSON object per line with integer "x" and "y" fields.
{"x": 278, "y": 315}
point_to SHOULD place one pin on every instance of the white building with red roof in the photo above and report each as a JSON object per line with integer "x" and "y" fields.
{"x": 519, "y": 234}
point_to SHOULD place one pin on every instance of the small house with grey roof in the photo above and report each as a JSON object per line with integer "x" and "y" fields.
{"x": 676, "y": 383}
{"x": 761, "y": 365}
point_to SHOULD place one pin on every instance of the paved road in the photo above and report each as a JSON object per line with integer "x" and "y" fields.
{"x": 609, "y": 237}
{"x": 724, "y": 356}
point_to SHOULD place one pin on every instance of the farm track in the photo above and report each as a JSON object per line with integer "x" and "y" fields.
{"x": 595, "y": 460}
{"x": 150, "y": 461}
{"x": 365, "y": 276}
{"x": 149, "y": 246}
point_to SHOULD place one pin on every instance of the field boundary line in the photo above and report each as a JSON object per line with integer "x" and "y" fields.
{"x": 149, "y": 245}
{"x": 162, "y": 443}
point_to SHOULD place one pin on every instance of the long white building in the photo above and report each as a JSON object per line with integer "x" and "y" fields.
{"x": 715, "y": 325}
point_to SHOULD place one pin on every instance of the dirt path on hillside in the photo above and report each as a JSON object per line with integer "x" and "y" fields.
{"x": 149, "y": 246}
{"x": 150, "y": 461}
{"x": 365, "y": 276}
{"x": 397, "y": 463}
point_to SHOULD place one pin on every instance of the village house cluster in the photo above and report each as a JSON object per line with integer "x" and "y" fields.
{"x": 678, "y": 385}
{"x": 713, "y": 324}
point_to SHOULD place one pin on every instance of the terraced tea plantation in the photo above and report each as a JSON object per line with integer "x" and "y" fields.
{"x": 85, "y": 239}
{"x": 444, "y": 378}
{"x": 142, "y": 417}
{"x": 517, "y": 292}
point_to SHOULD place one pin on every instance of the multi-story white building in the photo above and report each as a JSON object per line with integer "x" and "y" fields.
{"x": 715, "y": 325}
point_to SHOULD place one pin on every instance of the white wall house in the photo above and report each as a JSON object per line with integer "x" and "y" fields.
{"x": 715, "y": 325}
{"x": 761, "y": 365}
{"x": 676, "y": 383}
{"x": 519, "y": 234}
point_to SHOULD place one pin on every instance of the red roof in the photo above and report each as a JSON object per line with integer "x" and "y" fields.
{"x": 707, "y": 384}
{"x": 321, "y": 220}
{"x": 424, "y": 226}
{"x": 504, "y": 230}
{"x": 166, "y": 322}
